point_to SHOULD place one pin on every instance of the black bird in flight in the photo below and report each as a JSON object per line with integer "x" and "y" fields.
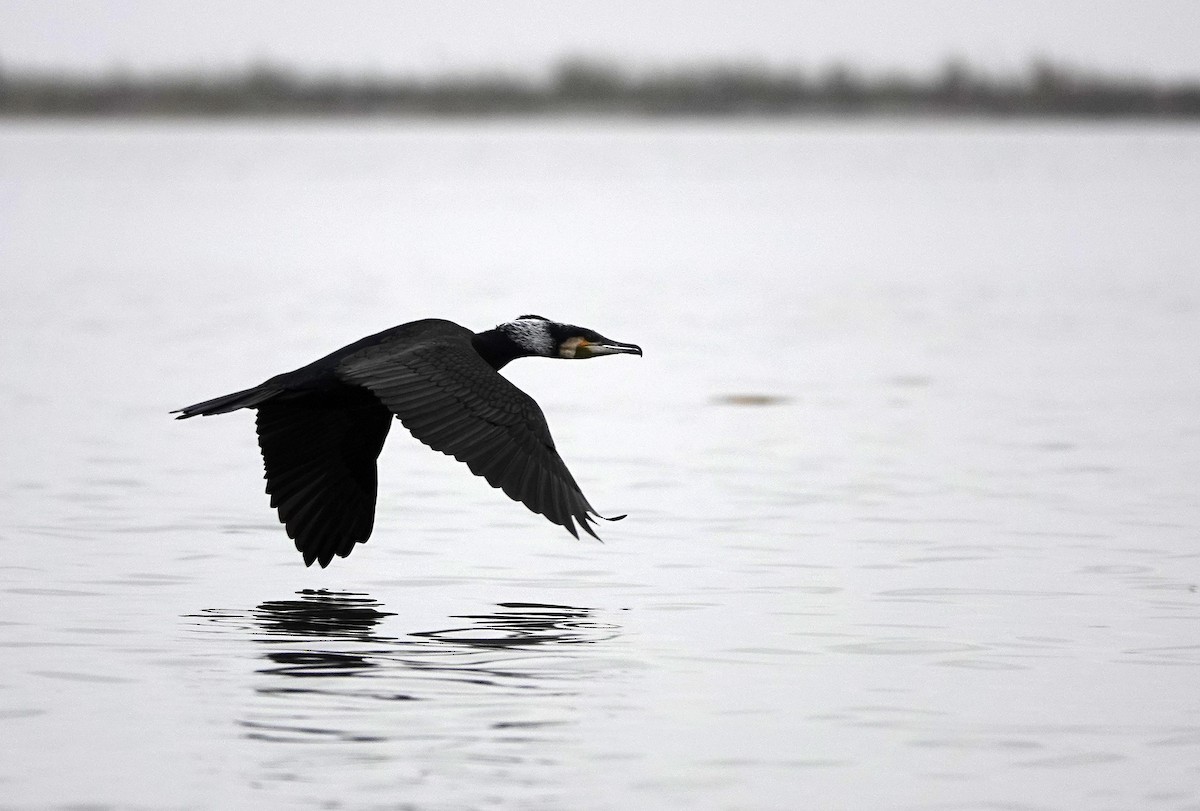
{"x": 322, "y": 426}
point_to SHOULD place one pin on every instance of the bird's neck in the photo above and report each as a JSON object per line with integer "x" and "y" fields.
{"x": 497, "y": 348}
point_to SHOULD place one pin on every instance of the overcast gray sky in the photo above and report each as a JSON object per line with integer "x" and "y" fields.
{"x": 1159, "y": 38}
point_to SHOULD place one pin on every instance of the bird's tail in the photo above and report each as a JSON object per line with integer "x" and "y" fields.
{"x": 248, "y": 398}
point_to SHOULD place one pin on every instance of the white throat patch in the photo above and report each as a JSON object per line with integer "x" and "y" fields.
{"x": 532, "y": 334}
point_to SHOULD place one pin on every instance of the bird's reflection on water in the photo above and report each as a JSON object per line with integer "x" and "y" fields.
{"x": 336, "y": 642}
{"x": 522, "y": 625}
{"x": 320, "y": 614}
{"x": 334, "y": 616}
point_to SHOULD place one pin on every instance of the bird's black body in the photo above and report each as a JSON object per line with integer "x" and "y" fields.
{"x": 322, "y": 426}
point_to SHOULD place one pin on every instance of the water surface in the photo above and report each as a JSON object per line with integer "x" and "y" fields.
{"x": 910, "y": 462}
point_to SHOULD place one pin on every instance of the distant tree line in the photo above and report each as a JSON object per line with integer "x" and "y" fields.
{"x": 597, "y": 87}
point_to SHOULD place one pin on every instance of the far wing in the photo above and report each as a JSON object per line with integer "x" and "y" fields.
{"x": 320, "y": 471}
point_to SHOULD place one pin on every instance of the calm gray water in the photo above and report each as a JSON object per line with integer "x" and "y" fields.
{"x": 911, "y": 465}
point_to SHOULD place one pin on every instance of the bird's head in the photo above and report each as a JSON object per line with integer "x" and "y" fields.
{"x": 550, "y": 339}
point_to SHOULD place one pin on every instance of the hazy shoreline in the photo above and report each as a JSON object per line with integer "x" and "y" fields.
{"x": 599, "y": 89}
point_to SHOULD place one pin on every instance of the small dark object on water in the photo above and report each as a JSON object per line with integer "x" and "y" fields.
{"x": 751, "y": 399}
{"x": 322, "y": 426}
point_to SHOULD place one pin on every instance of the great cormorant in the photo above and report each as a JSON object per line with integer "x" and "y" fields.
{"x": 322, "y": 426}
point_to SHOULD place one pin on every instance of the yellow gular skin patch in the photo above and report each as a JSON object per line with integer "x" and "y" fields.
{"x": 569, "y": 347}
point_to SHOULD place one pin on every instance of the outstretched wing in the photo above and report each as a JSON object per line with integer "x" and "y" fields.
{"x": 320, "y": 470}
{"x": 454, "y": 402}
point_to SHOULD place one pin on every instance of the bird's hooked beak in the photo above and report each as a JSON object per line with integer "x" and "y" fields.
{"x": 581, "y": 348}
